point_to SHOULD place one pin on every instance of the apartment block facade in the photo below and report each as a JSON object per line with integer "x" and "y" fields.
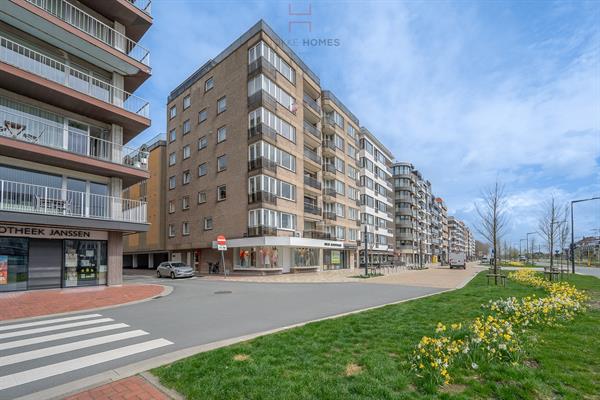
{"x": 67, "y": 73}
{"x": 148, "y": 249}
{"x": 421, "y": 218}
{"x": 461, "y": 238}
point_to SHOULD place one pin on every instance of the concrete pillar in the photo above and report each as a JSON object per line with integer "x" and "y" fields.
{"x": 116, "y": 191}
{"x": 115, "y": 258}
{"x": 134, "y": 260}
{"x": 116, "y": 137}
{"x": 118, "y": 96}
{"x": 120, "y": 41}
{"x": 151, "y": 260}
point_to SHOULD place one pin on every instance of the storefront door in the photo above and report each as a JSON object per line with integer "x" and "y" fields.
{"x": 45, "y": 264}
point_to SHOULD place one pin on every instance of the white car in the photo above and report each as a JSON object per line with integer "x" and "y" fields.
{"x": 174, "y": 270}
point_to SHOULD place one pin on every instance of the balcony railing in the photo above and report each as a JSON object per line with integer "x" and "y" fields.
{"x": 312, "y": 104}
{"x": 48, "y": 68}
{"x": 312, "y": 155}
{"x": 312, "y": 209}
{"x": 262, "y": 130}
{"x": 144, "y": 5}
{"x": 330, "y": 215}
{"x": 262, "y": 163}
{"x": 262, "y": 197}
{"x": 328, "y": 144}
{"x": 329, "y": 192}
{"x": 316, "y": 235}
{"x": 262, "y": 231}
{"x": 262, "y": 98}
{"x": 312, "y": 182}
{"x": 30, "y": 129}
{"x": 329, "y": 168}
{"x": 27, "y": 198}
{"x": 81, "y": 20}
{"x": 312, "y": 130}
{"x": 263, "y": 65}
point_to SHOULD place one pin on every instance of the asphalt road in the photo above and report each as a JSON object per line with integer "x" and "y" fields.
{"x": 197, "y": 312}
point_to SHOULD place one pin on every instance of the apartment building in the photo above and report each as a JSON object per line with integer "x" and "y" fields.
{"x": 67, "y": 73}
{"x": 376, "y": 195}
{"x": 421, "y": 219}
{"x": 459, "y": 235}
{"x": 148, "y": 249}
{"x": 249, "y": 157}
{"x": 470, "y": 245}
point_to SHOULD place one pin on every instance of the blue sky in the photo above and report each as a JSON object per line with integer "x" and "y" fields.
{"x": 467, "y": 91}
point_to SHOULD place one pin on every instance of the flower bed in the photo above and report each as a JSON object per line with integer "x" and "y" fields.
{"x": 492, "y": 337}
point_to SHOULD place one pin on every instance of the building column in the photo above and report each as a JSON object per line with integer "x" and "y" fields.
{"x": 134, "y": 263}
{"x": 116, "y": 191}
{"x": 116, "y": 137}
{"x": 150, "y": 260}
{"x": 115, "y": 258}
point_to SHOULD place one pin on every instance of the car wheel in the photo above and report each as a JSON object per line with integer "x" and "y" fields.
{"x": 172, "y": 275}
{"x": 158, "y": 275}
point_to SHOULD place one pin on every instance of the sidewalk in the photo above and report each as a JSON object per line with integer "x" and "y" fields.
{"x": 132, "y": 388}
{"x": 15, "y": 305}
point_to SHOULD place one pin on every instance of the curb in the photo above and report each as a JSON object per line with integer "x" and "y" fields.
{"x": 167, "y": 290}
{"x": 141, "y": 367}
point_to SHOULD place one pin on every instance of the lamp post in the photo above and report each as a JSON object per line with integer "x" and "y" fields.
{"x": 573, "y": 230}
{"x": 527, "y": 244}
{"x": 521, "y": 241}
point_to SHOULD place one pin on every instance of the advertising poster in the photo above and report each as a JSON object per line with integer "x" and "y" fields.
{"x": 3, "y": 270}
{"x": 335, "y": 257}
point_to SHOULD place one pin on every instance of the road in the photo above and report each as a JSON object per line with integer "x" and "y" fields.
{"x": 593, "y": 271}
{"x": 41, "y": 354}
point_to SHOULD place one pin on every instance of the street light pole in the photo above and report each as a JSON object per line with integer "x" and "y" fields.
{"x": 573, "y": 231}
{"x": 521, "y": 241}
{"x": 527, "y": 244}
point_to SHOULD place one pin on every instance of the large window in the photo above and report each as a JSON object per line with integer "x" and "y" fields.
{"x": 257, "y": 257}
{"x": 271, "y": 218}
{"x": 14, "y": 255}
{"x": 306, "y": 257}
{"x": 86, "y": 262}
{"x": 261, "y": 82}
{"x": 264, "y": 116}
{"x": 261, "y": 49}
{"x": 270, "y": 152}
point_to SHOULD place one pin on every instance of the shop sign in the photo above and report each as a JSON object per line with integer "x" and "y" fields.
{"x": 334, "y": 244}
{"x": 51, "y": 232}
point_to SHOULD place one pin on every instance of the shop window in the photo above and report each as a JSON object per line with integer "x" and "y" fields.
{"x": 14, "y": 255}
{"x": 85, "y": 262}
{"x": 257, "y": 257}
{"x": 306, "y": 257}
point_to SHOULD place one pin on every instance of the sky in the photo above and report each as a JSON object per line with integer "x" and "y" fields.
{"x": 469, "y": 92}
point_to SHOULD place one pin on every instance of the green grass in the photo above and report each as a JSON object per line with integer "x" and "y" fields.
{"x": 310, "y": 362}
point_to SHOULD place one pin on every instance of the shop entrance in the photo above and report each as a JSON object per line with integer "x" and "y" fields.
{"x": 45, "y": 264}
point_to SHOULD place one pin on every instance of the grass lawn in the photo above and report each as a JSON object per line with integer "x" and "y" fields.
{"x": 366, "y": 356}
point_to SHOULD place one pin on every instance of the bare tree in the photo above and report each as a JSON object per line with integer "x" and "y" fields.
{"x": 549, "y": 225}
{"x": 494, "y": 221}
{"x": 563, "y": 234}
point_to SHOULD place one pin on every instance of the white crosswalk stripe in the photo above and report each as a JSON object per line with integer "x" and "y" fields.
{"x": 31, "y": 351}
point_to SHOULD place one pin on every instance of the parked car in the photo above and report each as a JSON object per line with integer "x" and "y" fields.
{"x": 458, "y": 260}
{"x": 485, "y": 260}
{"x": 522, "y": 258}
{"x": 174, "y": 270}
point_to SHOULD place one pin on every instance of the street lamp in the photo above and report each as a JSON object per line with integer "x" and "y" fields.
{"x": 527, "y": 238}
{"x": 573, "y": 230}
{"x": 520, "y": 251}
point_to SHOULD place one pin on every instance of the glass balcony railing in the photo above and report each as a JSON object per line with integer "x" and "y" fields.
{"x": 310, "y": 102}
{"x": 29, "y": 129}
{"x": 27, "y": 198}
{"x": 41, "y": 65}
{"x": 81, "y": 20}
{"x": 313, "y": 130}
{"x": 144, "y": 5}
{"x": 312, "y": 182}
{"x": 312, "y": 155}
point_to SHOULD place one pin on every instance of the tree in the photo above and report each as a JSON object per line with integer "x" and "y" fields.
{"x": 493, "y": 219}
{"x": 481, "y": 248}
{"x": 563, "y": 234}
{"x": 549, "y": 225}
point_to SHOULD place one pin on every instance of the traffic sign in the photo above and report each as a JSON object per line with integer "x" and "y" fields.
{"x": 221, "y": 243}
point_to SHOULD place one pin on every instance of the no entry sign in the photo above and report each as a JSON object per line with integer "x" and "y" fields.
{"x": 221, "y": 243}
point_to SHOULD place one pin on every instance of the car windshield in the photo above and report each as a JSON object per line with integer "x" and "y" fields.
{"x": 178, "y": 265}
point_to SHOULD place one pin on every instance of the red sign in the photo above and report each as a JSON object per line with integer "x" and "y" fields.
{"x": 221, "y": 240}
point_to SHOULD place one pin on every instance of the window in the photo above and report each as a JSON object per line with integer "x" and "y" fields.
{"x": 208, "y": 223}
{"x": 185, "y": 228}
{"x": 202, "y": 169}
{"x": 339, "y": 142}
{"x": 339, "y": 165}
{"x": 351, "y": 150}
{"x": 340, "y": 210}
{"x": 222, "y": 192}
{"x": 221, "y": 134}
{"x": 271, "y": 218}
{"x": 209, "y": 84}
{"x": 171, "y": 230}
{"x": 263, "y": 50}
{"x": 221, "y": 104}
{"x": 286, "y": 221}
{"x": 340, "y": 188}
{"x": 185, "y": 203}
{"x": 272, "y": 153}
{"x": 201, "y": 197}
{"x": 172, "y": 112}
{"x": 187, "y": 101}
{"x": 287, "y": 191}
{"x": 172, "y": 158}
{"x": 186, "y": 151}
{"x": 202, "y": 142}
{"x": 202, "y": 115}
{"x": 171, "y": 206}
{"x": 352, "y": 234}
{"x": 352, "y": 172}
{"x": 186, "y": 177}
{"x": 222, "y": 163}
{"x": 172, "y": 182}
{"x": 351, "y": 131}
{"x": 340, "y": 232}
{"x": 261, "y": 82}
{"x": 187, "y": 127}
{"x": 353, "y": 213}
{"x": 172, "y": 135}
{"x": 264, "y": 116}
{"x": 366, "y": 145}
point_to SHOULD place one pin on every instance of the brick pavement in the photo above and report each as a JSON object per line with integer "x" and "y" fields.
{"x": 132, "y": 388}
{"x": 26, "y": 304}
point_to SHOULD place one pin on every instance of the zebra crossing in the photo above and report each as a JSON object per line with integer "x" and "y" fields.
{"x": 41, "y": 349}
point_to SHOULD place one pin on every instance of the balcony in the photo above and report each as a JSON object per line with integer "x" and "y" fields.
{"x": 262, "y": 131}
{"x": 310, "y": 102}
{"x": 358, "y": 222}
{"x": 262, "y": 197}
{"x": 329, "y": 192}
{"x": 254, "y": 231}
{"x": 312, "y": 209}
{"x": 314, "y": 132}
{"x": 34, "y": 199}
{"x": 316, "y": 235}
{"x": 329, "y": 146}
{"x": 329, "y": 168}
{"x": 312, "y": 156}
{"x": 262, "y": 65}
{"x": 262, "y": 98}
{"x": 330, "y": 215}
{"x": 262, "y": 163}
{"x": 312, "y": 182}
{"x": 84, "y": 22}
{"x": 312, "y": 110}
{"x": 143, "y": 5}
{"x": 405, "y": 236}
{"x": 61, "y": 85}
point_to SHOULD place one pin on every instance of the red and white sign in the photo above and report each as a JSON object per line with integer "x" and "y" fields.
{"x": 221, "y": 243}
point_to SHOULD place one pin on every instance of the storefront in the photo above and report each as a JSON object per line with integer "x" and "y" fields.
{"x": 41, "y": 257}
